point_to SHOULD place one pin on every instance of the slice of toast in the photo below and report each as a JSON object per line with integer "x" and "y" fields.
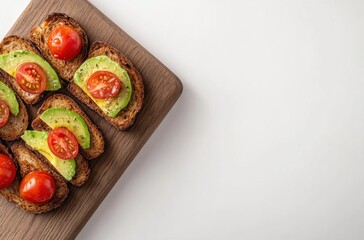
{"x": 126, "y": 116}
{"x": 28, "y": 162}
{"x": 39, "y": 35}
{"x": 16, "y": 125}
{"x": 62, "y": 101}
{"x": 82, "y": 168}
{"x": 13, "y": 43}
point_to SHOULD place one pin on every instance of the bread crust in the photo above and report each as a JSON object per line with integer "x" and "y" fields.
{"x": 13, "y": 43}
{"x": 126, "y": 116}
{"x": 28, "y": 162}
{"x": 97, "y": 143}
{"x": 16, "y": 125}
{"x": 39, "y": 35}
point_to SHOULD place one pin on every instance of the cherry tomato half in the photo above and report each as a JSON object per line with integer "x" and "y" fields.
{"x": 64, "y": 42}
{"x": 38, "y": 187}
{"x": 4, "y": 113}
{"x": 7, "y": 171}
{"x": 103, "y": 85}
{"x": 31, "y": 78}
{"x": 63, "y": 143}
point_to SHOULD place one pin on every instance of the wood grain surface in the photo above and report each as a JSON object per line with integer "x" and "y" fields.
{"x": 162, "y": 89}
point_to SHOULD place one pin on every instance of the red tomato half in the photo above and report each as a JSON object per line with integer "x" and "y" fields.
{"x": 38, "y": 187}
{"x": 4, "y": 113}
{"x": 63, "y": 143}
{"x": 31, "y": 78}
{"x": 64, "y": 42}
{"x": 7, "y": 171}
{"x": 103, "y": 85}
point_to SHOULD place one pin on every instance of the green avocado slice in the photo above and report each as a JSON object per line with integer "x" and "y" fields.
{"x": 60, "y": 117}
{"x": 11, "y": 61}
{"x": 112, "y": 106}
{"x": 38, "y": 141}
{"x": 8, "y": 96}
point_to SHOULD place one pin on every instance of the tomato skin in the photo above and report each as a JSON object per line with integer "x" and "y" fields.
{"x": 4, "y": 113}
{"x": 64, "y": 42}
{"x": 7, "y": 171}
{"x": 63, "y": 143}
{"x": 103, "y": 85}
{"x": 38, "y": 187}
{"x": 31, "y": 78}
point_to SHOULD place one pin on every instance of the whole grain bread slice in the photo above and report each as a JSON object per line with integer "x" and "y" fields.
{"x": 82, "y": 168}
{"x": 16, "y": 125}
{"x": 39, "y": 35}
{"x": 126, "y": 116}
{"x": 28, "y": 162}
{"x": 13, "y": 43}
{"x": 62, "y": 101}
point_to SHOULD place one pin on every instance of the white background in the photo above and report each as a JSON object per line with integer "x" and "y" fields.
{"x": 267, "y": 139}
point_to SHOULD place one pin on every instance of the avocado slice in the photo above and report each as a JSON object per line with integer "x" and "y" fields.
{"x": 60, "y": 117}
{"x": 8, "y": 96}
{"x": 112, "y": 106}
{"x": 11, "y": 61}
{"x": 38, "y": 141}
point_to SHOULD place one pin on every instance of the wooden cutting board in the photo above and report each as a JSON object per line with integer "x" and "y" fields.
{"x": 162, "y": 89}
